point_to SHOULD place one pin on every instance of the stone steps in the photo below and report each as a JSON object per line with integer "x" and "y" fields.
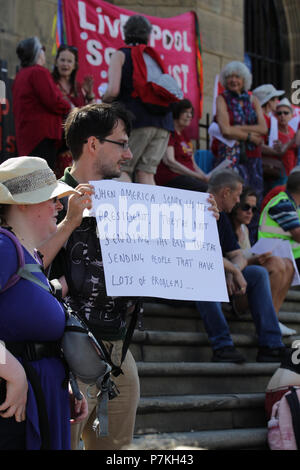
{"x": 164, "y": 317}
{"x": 228, "y": 439}
{"x": 188, "y": 401}
{"x": 167, "y": 346}
{"x": 191, "y": 413}
{"x": 190, "y": 378}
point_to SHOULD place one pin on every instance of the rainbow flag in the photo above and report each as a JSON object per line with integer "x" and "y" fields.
{"x": 58, "y": 33}
{"x": 199, "y": 63}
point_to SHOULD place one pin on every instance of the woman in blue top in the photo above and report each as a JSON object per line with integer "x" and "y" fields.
{"x": 29, "y": 314}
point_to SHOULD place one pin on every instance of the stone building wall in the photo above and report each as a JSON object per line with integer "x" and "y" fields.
{"x": 221, "y": 26}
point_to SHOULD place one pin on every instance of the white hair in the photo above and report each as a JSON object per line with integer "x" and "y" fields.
{"x": 236, "y": 68}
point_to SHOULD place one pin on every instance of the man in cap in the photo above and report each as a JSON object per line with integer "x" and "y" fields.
{"x": 277, "y": 154}
{"x": 150, "y": 135}
{"x": 268, "y": 97}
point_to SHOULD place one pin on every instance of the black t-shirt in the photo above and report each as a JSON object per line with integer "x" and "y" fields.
{"x": 228, "y": 240}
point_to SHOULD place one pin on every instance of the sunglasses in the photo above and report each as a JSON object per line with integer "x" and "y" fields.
{"x": 279, "y": 113}
{"x": 65, "y": 47}
{"x": 247, "y": 207}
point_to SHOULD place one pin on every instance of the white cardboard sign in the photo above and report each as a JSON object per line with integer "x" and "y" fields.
{"x": 158, "y": 242}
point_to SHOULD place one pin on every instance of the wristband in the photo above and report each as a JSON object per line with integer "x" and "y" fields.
{"x": 248, "y": 137}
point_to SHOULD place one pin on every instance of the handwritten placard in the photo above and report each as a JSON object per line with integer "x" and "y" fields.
{"x": 158, "y": 242}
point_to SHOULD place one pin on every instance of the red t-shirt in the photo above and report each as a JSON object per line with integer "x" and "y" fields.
{"x": 289, "y": 159}
{"x": 183, "y": 151}
{"x": 268, "y": 122}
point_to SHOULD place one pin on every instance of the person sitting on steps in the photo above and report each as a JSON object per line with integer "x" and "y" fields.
{"x": 226, "y": 186}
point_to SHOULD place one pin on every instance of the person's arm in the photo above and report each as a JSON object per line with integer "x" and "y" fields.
{"x": 236, "y": 283}
{"x": 16, "y": 388}
{"x": 297, "y": 138}
{"x": 76, "y": 205}
{"x": 171, "y": 162}
{"x": 237, "y": 259}
{"x": 261, "y": 127}
{"x": 239, "y": 132}
{"x": 48, "y": 93}
{"x": 296, "y": 234}
{"x": 88, "y": 87}
{"x": 286, "y": 216}
{"x": 114, "y": 76}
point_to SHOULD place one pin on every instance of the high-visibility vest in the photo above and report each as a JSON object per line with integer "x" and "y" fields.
{"x": 268, "y": 228}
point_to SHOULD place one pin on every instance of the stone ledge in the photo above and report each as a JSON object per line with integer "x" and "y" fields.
{"x": 152, "y": 369}
{"x": 214, "y": 440}
{"x": 200, "y": 402}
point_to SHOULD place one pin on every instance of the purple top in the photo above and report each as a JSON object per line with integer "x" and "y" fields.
{"x": 30, "y": 313}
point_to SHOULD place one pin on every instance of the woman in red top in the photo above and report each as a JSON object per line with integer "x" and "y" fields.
{"x": 64, "y": 75}
{"x": 287, "y": 150}
{"x": 178, "y": 168}
{"x": 38, "y": 105}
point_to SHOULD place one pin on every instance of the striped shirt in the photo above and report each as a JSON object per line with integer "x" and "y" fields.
{"x": 285, "y": 214}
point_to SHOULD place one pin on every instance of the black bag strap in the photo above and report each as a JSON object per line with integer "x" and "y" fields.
{"x": 292, "y": 399}
{"x": 117, "y": 370}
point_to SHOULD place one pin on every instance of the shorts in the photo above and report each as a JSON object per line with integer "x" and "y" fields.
{"x": 148, "y": 145}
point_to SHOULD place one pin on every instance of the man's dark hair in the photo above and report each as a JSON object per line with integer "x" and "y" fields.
{"x": 137, "y": 30}
{"x": 180, "y": 107}
{"x": 224, "y": 179}
{"x": 94, "y": 119}
{"x": 293, "y": 183}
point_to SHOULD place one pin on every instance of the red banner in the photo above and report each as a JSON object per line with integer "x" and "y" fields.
{"x": 96, "y": 29}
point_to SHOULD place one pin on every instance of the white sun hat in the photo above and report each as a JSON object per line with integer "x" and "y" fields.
{"x": 29, "y": 180}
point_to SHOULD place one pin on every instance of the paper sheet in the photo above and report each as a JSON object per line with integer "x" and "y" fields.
{"x": 214, "y": 131}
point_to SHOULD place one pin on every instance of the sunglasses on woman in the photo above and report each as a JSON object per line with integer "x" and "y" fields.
{"x": 247, "y": 207}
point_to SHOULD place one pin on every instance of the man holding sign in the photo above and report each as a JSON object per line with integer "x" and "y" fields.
{"x": 97, "y": 136}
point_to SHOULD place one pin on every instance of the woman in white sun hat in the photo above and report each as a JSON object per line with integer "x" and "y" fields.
{"x": 34, "y": 396}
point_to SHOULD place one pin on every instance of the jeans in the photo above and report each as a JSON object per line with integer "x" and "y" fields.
{"x": 261, "y": 307}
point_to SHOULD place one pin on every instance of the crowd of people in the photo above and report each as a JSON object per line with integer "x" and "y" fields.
{"x": 122, "y": 138}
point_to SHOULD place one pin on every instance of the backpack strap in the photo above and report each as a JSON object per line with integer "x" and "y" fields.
{"x": 117, "y": 370}
{"x": 20, "y": 254}
{"x": 293, "y": 401}
{"x": 26, "y": 272}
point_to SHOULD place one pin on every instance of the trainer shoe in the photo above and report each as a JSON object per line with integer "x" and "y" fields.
{"x": 266, "y": 354}
{"x": 285, "y": 331}
{"x": 227, "y": 354}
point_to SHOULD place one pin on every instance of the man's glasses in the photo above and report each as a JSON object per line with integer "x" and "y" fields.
{"x": 247, "y": 207}
{"x": 279, "y": 113}
{"x": 124, "y": 145}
